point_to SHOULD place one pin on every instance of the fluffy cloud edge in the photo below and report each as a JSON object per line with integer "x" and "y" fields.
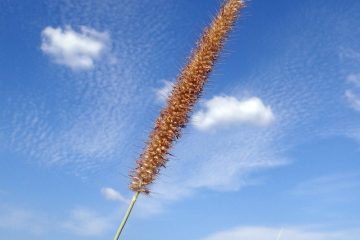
{"x": 112, "y": 195}
{"x": 353, "y": 99}
{"x": 228, "y": 110}
{"x": 278, "y": 233}
{"x": 77, "y": 50}
{"x": 164, "y": 92}
{"x": 84, "y": 222}
{"x": 354, "y": 79}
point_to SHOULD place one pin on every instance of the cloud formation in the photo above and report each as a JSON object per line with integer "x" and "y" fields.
{"x": 225, "y": 160}
{"x": 21, "y": 219}
{"x": 353, "y": 99}
{"x": 81, "y": 222}
{"x": 351, "y": 96}
{"x": 163, "y": 93}
{"x": 226, "y": 110}
{"x": 113, "y": 195}
{"x": 86, "y": 223}
{"x": 354, "y": 79}
{"x": 330, "y": 187}
{"x": 270, "y": 233}
{"x": 77, "y": 50}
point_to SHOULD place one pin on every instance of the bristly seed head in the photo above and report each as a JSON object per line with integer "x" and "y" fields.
{"x": 184, "y": 95}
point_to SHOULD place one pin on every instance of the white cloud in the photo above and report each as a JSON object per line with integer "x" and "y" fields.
{"x": 349, "y": 53}
{"x": 95, "y": 114}
{"x": 279, "y": 236}
{"x": 149, "y": 207}
{"x": 112, "y": 194}
{"x": 293, "y": 233}
{"x": 353, "y": 99}
{"x": 163, "y": 93}
{"x": 331, "y": 187}
{"x": 221, "y": 161}
{"x": 86, "y": 223}
{"x": 354, "y": 79}
{"x": 226, "y": 110}
{"x": 77, "y": 50}
{"x": 23, "y": 220}
{"x": 80, "y": 221}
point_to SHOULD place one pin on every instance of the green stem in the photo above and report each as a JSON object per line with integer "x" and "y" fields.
{"x": 127, "y": 214}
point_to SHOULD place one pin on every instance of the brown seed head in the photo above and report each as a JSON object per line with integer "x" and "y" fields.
{"x": 186, "y": 91}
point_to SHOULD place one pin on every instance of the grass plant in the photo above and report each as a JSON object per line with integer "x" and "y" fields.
{"x": 186, "y": 91}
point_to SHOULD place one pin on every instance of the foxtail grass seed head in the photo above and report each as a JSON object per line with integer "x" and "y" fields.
{"x": 184, "y": 95}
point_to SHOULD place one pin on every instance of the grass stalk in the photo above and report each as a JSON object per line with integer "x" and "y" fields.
{"x": 126, "y": 217}
{"x": 187, "y": 90}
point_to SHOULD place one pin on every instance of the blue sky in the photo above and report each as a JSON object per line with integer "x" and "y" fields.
{"x": 271, "y": 150}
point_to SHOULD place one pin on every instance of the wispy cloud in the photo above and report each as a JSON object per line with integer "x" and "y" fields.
{"x": 94, "y": 112}
{"x": 223, "y": 160}
{"x": 84, "y": 222}
{"x": 293, "y": 232}
{"x": 280, "y": 234}
{"x": 354, "y": 79}
{"x": 348, "y": 125}
{"x": 353, "y": 99}
{"x": 79, "y": 221}
{"x": 18, "y": 219}
{"x": 163, "y": 93}
{"x": 351, "y": 96}
{"x": 227, "y": 110}
{"x": 90, "y": 137}
{"x": 349, "y": 53}
{"x": 77, "y": 50}
{"x": 113, "y": 195}
{"x": 330, "y": 187}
